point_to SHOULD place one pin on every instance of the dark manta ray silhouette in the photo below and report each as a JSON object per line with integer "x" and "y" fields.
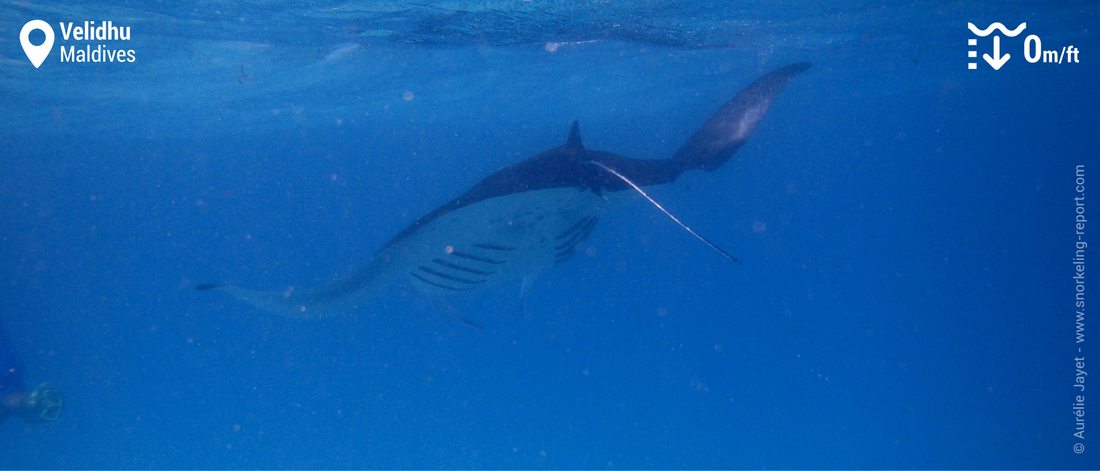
{"x": 526, "y": 217}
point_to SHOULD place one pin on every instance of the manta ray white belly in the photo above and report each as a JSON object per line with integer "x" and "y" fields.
{"x": 494, "y": 240}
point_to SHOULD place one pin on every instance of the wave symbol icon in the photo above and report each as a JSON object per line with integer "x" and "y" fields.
{"x": 981, "y": 33}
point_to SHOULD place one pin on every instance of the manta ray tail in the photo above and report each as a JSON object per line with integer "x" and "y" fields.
{"x": 730, "y": 126}
{"x": 668, "y": 213}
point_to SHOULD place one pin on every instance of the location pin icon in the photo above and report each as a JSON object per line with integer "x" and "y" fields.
{"x": 37, "y": 54}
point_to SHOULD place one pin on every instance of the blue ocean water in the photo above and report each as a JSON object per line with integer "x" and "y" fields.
{"x": 906, "y": 227}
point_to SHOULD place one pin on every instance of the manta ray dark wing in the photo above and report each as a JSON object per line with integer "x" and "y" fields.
{"x": 528, "y": 216}
{"x": 553, "y": 168}
{"x": 710, "y": 147}
{"x": 729, "y": 127}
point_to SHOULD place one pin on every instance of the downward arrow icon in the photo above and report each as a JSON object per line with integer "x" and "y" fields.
{"x": 996, "y": 60}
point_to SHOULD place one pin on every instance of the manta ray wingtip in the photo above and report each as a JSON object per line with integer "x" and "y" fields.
{"x": 729, "y": 127}
{"x": 797, "y": 67}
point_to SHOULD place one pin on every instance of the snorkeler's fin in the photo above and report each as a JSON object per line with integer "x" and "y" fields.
{"x": 45, "y": 403}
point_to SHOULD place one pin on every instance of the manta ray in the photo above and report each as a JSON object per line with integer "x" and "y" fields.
{"x": 526, "y": 217}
